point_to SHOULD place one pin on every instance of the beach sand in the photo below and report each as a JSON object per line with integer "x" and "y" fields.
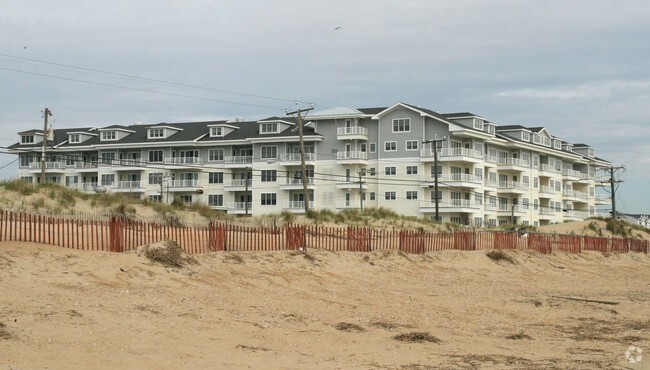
{"x": 71, "y": 309}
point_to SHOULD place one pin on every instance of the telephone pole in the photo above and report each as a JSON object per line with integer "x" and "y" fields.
{"x": 362, "y": 172}
{"x": 46, "y": 113}
{"x": 613, "y": 186}
{"x": 435, "y": 147}
{"x": 305, "y": 191}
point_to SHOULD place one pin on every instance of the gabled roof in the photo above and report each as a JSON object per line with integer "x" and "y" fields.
{"x": 336, "y": 112}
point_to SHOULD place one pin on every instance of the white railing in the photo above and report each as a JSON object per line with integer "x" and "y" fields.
{"x": 352, "y": 155}
{"x": 490, "y": 206}
{"x": 492, "y": 158}
{"x": 48, "y": 165}
{"x": 546, "y": 189}
{"x": 571, "y": 173}
{"x": 603, "y": 199}
{"x": 354, "y": 130}
{"x": 514, "y": 162}
{"x": 576, "y": 214}
{"x": 513, "y": 208}
{"x": 238, "y": 159}
{"x": 297, "y": 205}
{"x": 240, "y": 206}
{"x": 452, "y": 152}
{"x": 81, "y": 165}
{"x": 547, "y": 211}
{"x": 183, "y": 183}
{"x": 83, "y": 186}
{"x": 451, "y": 203}
{"x": 491, "y": 183}
{"x": 292, "y": 181}
{"x": 127, "y": 185}
{"x": 184, "y": 160}
{"x": 575, "y": 194}
{"x": 512, "y": 185}
{"x": 548, "y": 168}
{"x": 295, "y": 157}
{"x": 240, "y": 182}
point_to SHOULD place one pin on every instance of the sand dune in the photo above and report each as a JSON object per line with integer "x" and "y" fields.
{"x": 70, "y": 309}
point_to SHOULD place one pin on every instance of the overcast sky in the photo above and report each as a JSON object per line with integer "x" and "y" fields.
{"x": 578, "y": 68}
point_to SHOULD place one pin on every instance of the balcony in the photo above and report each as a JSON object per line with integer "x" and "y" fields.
{"x": 548, "y": 170}
{"x": 85, "y": 166}
{"x": 86, "y": 187}
{"x": 546, "y": 213}
{"x": 575, "y": 215}
{"x": 513, "y": 187}
{"x": 509, "y": 209}
{"x": 461, "y": 180}
{"x": 296, "y": 184}
{"x": 452, "y": 155}
{"x": 603, "y": 200}
{"x": 573, "y": 195}
{"x": 352, "y": 133}
{"x": 238, "y": 184}
{"x": 183, "y": 185}
{"x": 183, "y": 161}
{"x": 239, "y": 208}
{"x": 516, "y": 164}
{"x": 451, "y": 206}
{"x": 293, "y": 159}
{"x": 352, "y": 157}
{"x": 58, "y": 166}
{"x": 127, "y": 187}
{"x": 571, "y": 174}
{"x": 238, "y": 161}
{"x": 296, "y": 206}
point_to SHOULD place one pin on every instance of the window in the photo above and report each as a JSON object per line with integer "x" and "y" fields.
{"x": 74, "y": 138}
{"x": 363, "y": 147}
{"x": 536, "y": 182}
{"x": 373, "y": 147}
{"x": 390, "y": 146}
{"x": 373, "y": 196}
{"x": 268, "y": 128}
{"x": 155, "y": 198}
{"x": 411, "y": 170}
{"x": 71, "y": 180}
{"x": 107, "y": 158}
{"x": 155, "y": 178}
{"x": 26, "y": 139}
{"x": 490, "y": 130}
{"x": 269, "y": 175}
{"x": 389, "y": 195}
{"x": 25, "y": 160}
{"x": 187, "y": 199}
{"x": 433, "y": 195}
{"x": 390, "y": 171}
{"x": 402, "y": 125}
{"x": 155, "y": 156}
{"x": 215, "y": 155}
{"x": 108, "y": 179}
{"x": 268, "y": 199}
{"x": 215, "y": 200}
{"x": 411, "y": 145}
{"x": 216, "y": 131}
{"x": 109, "y": 135}
{"x": 156, "y": 133}
{"x": 411, "y": 195}
{"x": 478, "y": 123}
{"x": 215, "y": 178}
{"x": 373, "y": 171}
{"x": 435, "y": 169}
{"x": 525, "y": 136}
{"x": 269, "y": 152}
{"x": 27, "y": 179}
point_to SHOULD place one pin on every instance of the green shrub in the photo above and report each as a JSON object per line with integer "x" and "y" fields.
{"x": 20, "y": 186}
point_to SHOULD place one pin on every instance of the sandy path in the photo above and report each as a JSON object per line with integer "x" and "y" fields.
{"x": 67, "y": 309}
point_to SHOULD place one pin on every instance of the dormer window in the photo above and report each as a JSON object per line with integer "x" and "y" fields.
{"x": 525, "y": 136}
{"x": 74, "y": 138}
{"x": 490, "y": 129}
{"x": 216, "y": 132}
{"x": 268, "y": 128}
{"x": 27, "y": 139}
{"x": 156, "y": 133}
{"x": 557, "y": 144}
{"x": 591, "y": 152}
{"x": 109, "y": 135}
{"x": 478, "y": 123}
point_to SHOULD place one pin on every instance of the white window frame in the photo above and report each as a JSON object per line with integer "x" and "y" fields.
{"x": 162, "y": 156}
{"x": 269, "y": 128}
{"x": 215, "y": 177}
{"x": 268, "y": 199}
{"x": 213, "y": 197}
{"x": 401, "y": 125}
{"x": 156, "y": 133}
{"x": 411, "y": 170}
{"x": 216, "y": 131}
{"x": 390, "y": 170}
{"x": 212, "y": 155}
{"x": 26, "y": 139}
{"x": 412, "y": 194}
{"x": 266, "y": 148}
{"x": 74, "y": 138}
{"x": 525, "y": 136}
{"x": 390, "y": 146}
{"x": 390, "y": 195}
{"x": 372, "y": 147}
{"x": 413, "y": 145}
{"x": 478, "y": 124}
{"x": 109, "y": 135}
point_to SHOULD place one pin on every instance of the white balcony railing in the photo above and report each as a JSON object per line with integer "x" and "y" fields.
{"x": 292, "y": 181}
{"x": 452, "y": 152}
{"x": 576, "y": 214}
{"x": 548, "y": 168}
{"x": 512, "y": 185}
{"x": 546, "y": 189}
{"x": 297, "y": 205}
{"x": 241, "y": 182}
{"x": 571, "y": 173}
{"x": 240, "y": 206}
{"x": 127, "y": 185}
{"x": 246, "y": 159}
{"x": 354, "y": 130}
{"x": 184, "y": 160}
{"x": 295, "y": 157}
{"x": 48, "y": 165}
{"x": 82, "y": 165}
{"x": 352, "y": 155}
{"x": 514, "y": 162}
{"x": 183, "y": 183}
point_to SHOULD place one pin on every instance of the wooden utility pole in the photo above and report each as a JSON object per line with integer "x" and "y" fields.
{"x": 434, "y": 145}
{"x": 362, "y": 172}
{"x": 613, "y": 185}
{"x": 46, "y": 114}
{"x": 305, "y": 191}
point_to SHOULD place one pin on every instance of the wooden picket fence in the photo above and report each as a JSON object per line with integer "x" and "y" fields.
{"x": 119, "y": 234}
